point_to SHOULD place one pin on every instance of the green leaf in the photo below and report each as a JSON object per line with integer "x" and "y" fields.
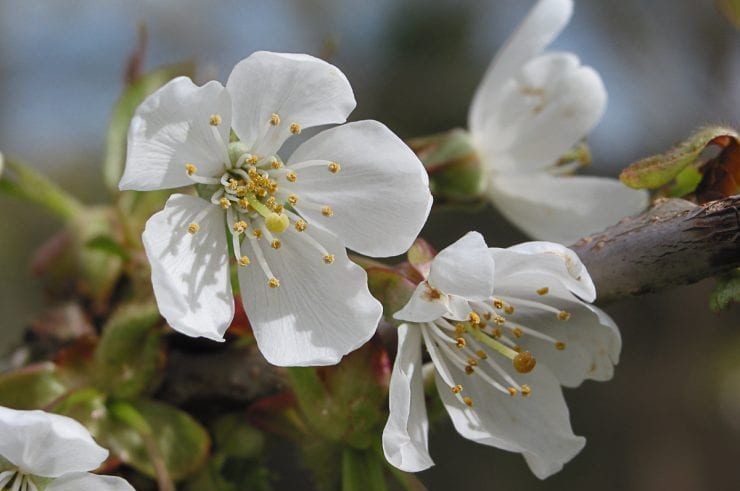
{"x": 28, "y": 184}
{"x": 106, "y": 244}
{"x": 128, "y": 356}
{"x": 658, "y": 170}
{"x": 32, "y": 387}
{"x": 182, "y": 442}
{"x": 132, "y": 96}
{"x": 726, "y": 292}
{"x": 234, "y": 437}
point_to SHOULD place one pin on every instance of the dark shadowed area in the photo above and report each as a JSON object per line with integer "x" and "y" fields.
{"x": 671, "y": 417}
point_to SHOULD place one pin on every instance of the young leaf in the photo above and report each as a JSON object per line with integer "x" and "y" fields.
{"x": 658, "y": 170}
{"x": 726, "y": 292}
{"x": 32, "y": 387}
{"x": 132, "y": 96}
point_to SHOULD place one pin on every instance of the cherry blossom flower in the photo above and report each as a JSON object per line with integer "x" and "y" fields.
{"x": 530, "y": 109}
{"x": 504, "y": 328}
{"x": 40, "y": 451}
{"x": 287, "y": 222}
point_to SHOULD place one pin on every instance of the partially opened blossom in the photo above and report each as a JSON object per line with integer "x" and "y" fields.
{"x": 40, "y": 451}
{"x": 504, "y": 329}
{"x": 530, "y": 109}
{"x": 286, "y": 221}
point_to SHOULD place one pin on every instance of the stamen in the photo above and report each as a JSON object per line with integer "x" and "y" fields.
{"x": 276, "y": 244}
{"x": 190, "y": 169}
{"x": 291, "y": 176}
{"x": 224, "y": 203}
{"x": 474, "y": 318}
{"x": 193, "y": 228}
{"x": 295, "y": 128}
{"x": 275, "y": 163}
{"x": 543, "y": 291}
{"x": 334, "y": 167}
{"x": 300, "y": 225}
{"x": 273, "y": 283}
{"x": 240, "y": 226}
{"x": 526, "y": 390}
{"x": 244, "y": 261}
{"x": 512, "y": 391}
{"x": 315, "y": 244}
{"x": 258, "y": 254}
{"x": 274, "y": 119}
{"x": 460, "y": 342}
{"x": 560, "y": 346}
{"x": 563, "y": 315}
{"x": 468, "y": 401}
{"x": 329, "y": 258}
{"x": 293, "y": 199}
{"x": 215, "y": 120}
{"x": 327, "y": 211}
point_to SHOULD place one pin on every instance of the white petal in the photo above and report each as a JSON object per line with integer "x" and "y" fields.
{"x": 564, "y": 209}
{"x": 422, "y": 307}
{"x": 298, "y": 88}
{"x": 592, "y": 340}
{"x": 543, "y": 24}
{"x": 319, "y": 313}
{"x": 47, "y": 445}
{"x": 172, "y": 128}
{"x": 380, "y": 197}
{"x": 405, "y": 436}
{"x": 551, "y": 105}
{"x": 190, "y": 272}
{"x": 545, "y": 258}
{"x": 458, "y": 308}
{"x": 537, "y": 426}
{"x": 465, "y": 268}
{"x": 84, "y": 481}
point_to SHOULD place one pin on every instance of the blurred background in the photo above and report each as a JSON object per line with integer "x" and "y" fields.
{"x": 671, "y": 416}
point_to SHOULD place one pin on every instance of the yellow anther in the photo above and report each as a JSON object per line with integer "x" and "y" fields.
{"x": 215, "y": 120}
{"x": 291, "y": 176}
{"x": 271, "y": 202}
{"x": 460, "y": 329}
{"x": 487, "y": 315}
{"x": 524, "y": 362}
{"x": 276, "y": 244}
{"x": 329, "y": 258}
{"x": 543, "y": 291}
{"x": 517, "y": 332}
{"x": 295, "y": 128}
{"x": 499, "y": 304}
{"x": 560, "y": 345}
{"x": 293, "y": 199}
{"x": 257, "y": 233}
{"x": 244, "y": 203}
{"x": 509, "y": 309}
{"x": 240, "y": 226}
{"x": 563, "y": 315}
{"x": 526, "y": 390}
{"x": 517, "y": 348}
{"x": 253, "y": 160}
{"x": 190, "y": 169}
{"x": 512, "y": 391}
{"x": 241, "y": 191}
{"x": 496, "y": 332}
{"x": 334, "y": 167}
{"x": 499, "y": 320}
{"x": 469, "y": 370}
{"x": 472, "y": 362}
{"x": 468, "y": 401}
{"x": 277, "y": 223}
{"x": 300, "y": 225}
{"x": 244, "y": 261}
{"x": 327, "y": 211}
{"x": 273, "y": 283}
{"x": 224, "y": 203}
{"x": 193, "y": 228}
{"x": 274, "y": 119}
{"x": 474, "y": 318}
{"x": 460, "y": 342}
{"x": 457, "y": 389}
{"x": 481, "y": 354}
{"x": 275, "y": 163}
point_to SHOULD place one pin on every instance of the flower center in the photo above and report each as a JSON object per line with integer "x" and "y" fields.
{"x": 491, "y": 327}
{"x": 257, "y": 194}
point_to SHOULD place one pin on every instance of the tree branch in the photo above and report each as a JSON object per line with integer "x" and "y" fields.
{"x": 674, "y": 243}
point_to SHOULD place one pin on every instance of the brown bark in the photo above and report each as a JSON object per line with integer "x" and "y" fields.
{"x": 674, "y": 243}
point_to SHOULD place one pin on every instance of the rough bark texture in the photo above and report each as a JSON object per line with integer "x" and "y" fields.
{"x": 674, "y": 243}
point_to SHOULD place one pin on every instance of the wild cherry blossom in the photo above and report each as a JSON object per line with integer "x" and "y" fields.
{"x": 504, "y": 329}
{"x": 287, "y": 222}
{"x": 530, "y": 109}
{"x": 40, "y": 451}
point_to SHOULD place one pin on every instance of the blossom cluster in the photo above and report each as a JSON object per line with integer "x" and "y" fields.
{"x": 504, "y": 328}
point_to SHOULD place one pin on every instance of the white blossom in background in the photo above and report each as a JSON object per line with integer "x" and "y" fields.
{"x": 40, "y": 451}
{"x": 530, "y": 109}
{"x": 288, "y": 222}
{"x": 504, "y": 328}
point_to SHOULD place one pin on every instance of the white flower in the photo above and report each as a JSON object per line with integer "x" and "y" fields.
{"x": 357, "y": 186}
{"x": 484, "y": 315}
{"x": 40, "y": 451}
{"x": 529, "y": 110}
